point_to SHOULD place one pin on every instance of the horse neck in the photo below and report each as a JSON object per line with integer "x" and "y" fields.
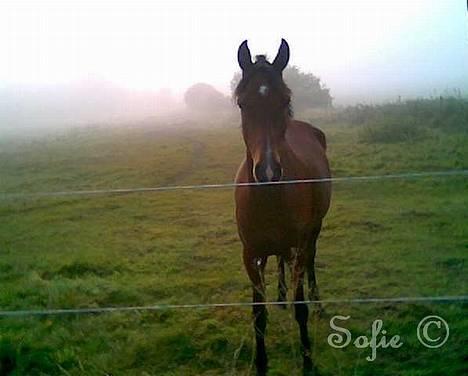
{"x": 292, "y": 165}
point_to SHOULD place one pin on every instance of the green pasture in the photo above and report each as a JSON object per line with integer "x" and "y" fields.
{"x": 386, "y": 238}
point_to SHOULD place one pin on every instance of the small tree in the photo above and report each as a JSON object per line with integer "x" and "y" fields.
{"x": 202, "y": 97}
{"x": 307, "y": 90}
{"x": 235, "y": 81}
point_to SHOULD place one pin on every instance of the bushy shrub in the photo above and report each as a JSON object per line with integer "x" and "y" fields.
{"x": 392, "y": 130}
{"x": 407, "y": 121}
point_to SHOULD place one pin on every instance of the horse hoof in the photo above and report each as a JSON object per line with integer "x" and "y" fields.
{"x": 281, "y": 305}
{"x": 261, "y": 363}
{"x": 282, "y": 299}
{"x": 308, "y": 368}
{"x": 310, "y": 372}
{"x": 317, "y": 310}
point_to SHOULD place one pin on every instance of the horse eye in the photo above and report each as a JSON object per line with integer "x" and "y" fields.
{"x": 242, "y": 105}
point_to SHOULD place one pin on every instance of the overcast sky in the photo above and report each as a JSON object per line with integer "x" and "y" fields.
{"x": 371, "y": 49}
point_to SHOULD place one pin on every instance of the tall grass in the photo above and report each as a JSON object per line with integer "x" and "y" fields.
{"x": 409, "y": 120}
{"x": 401, "y": 121}
{"x": 448, "y": 113}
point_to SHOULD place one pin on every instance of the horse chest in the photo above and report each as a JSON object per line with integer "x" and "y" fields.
{"x": 273, "y": 221}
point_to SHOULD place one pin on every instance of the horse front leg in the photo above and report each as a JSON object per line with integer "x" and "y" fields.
{"x": 255, "y": 267}
{"x": 300, "y": 309}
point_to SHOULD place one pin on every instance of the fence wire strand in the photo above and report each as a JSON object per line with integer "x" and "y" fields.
{"x": 160, "y": 307}
{"x": 408, "y": 175}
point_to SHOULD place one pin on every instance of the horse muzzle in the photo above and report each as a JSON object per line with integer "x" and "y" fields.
{"x": 267, "y": 171}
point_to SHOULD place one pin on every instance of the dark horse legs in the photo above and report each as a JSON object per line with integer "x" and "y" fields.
{"x": 282, "y": 287}
{"x": 300, "y": 310}
{"x": 302, "y": 262}
{"x": 255, "y": 268}
{"x": 313, "y": 293}
{"x": 305, "y": 261}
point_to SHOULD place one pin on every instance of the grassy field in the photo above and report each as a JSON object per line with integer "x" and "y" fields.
{"x": 381, "y": 239}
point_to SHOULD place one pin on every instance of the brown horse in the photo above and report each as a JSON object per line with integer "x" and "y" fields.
{"x": 278, "y": 219}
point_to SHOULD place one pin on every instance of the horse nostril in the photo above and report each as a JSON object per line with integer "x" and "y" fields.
{"x": 278, "y": 174}
{"x": 264, "y": 172}
{"x": 258, "y": 173}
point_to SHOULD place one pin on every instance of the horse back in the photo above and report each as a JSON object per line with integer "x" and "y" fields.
{"x": 310, "y": 146}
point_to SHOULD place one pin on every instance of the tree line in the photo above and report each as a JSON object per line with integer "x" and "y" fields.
{"x": 308, "y": 91}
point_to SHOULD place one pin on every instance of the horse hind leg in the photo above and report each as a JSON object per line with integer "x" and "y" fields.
{"x": 313, "y": 290}
{"x": 282, "y": 287}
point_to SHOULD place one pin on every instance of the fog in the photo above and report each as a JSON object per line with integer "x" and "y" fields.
{"x": 74, "y": 62}
{"x": 83, "y": 102}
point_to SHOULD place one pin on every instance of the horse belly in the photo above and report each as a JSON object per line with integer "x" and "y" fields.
{"x": 269, "y": 232}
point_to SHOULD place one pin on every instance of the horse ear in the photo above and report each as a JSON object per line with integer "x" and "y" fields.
{"x": 282, "y": 58}
{"x": 243, "y": 56}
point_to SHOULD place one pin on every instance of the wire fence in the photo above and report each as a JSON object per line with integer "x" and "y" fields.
{"x": 408, "y": 175}
{"x": 160, "y": 307}
{"x": 157, "y": 307}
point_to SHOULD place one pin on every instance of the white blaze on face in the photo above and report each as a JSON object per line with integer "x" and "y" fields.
{"x": 269, "y": 162}
{"x": 263, "y": 90}
{"x": 269, "y": 173}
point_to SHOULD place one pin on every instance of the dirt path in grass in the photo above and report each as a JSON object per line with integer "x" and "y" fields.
{"x": 196, "y": 159}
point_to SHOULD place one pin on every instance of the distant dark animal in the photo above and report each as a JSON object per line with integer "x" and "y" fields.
{"x": 283, "y": 219}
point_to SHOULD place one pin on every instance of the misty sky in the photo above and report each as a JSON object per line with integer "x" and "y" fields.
{"x": 369, "y": 49}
